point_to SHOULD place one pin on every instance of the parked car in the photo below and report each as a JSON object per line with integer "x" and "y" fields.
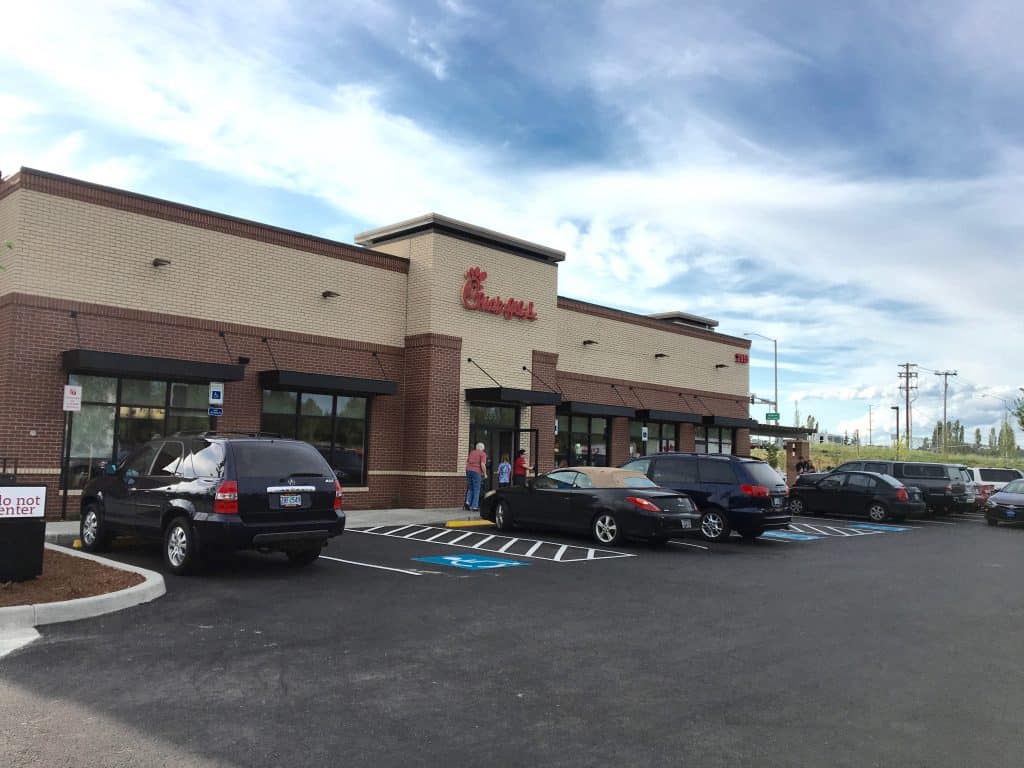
{"x": 991, "y": 479}
{"x": 209, "y": 492}
{"x": 733, "y": 493}
{"x": 1006, "y": 505}
{"x": 875, "y": 496}
{"x": 611, "y": 504}
{"x": 971, "y": 488}
{"x": 942, "y": 485}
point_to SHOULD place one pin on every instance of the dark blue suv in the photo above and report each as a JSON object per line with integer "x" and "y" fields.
{"x": 732, "y": 493}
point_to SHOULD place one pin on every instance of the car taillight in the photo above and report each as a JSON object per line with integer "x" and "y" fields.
{"x": 644, "y": 504}
{"x": 757, "y": 491}
{"x": 337, "y": 495}
{"x": 901, "y": 494}
{"x": 225, "y": 501}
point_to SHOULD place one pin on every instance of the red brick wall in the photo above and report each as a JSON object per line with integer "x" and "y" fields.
{"x": 688, "y": 437}
{"x": 741, "y": 447}
{"x": 542, "y": 417}
{"x": 36, "y": 330}
{"x": 618, "y": 449}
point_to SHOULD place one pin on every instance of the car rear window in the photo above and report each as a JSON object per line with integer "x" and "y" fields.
{"x": 638, "y": 482}
{"x": 760, "y": 473}
{"x": 279, "y": 460}
{"x": 999, "y": 475}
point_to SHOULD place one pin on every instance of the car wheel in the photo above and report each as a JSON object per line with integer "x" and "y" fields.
{"x": 306, "y": 556}
{"x": 180, "y": 546}
{"x": 92, "y": 530}
{"x": 796, "y": 506}
{"x": 606, "y": 529}
{"x": 991, "y": 521}
{"x": 714, "y": 526}
{"x": 502, "y": 516}
{"x": 877, "y": 513}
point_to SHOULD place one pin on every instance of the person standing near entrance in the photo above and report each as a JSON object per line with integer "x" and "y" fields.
{"x": 504, "y": 472}
{"x": 519, "y": 470}
{"x": 476, "y": 467}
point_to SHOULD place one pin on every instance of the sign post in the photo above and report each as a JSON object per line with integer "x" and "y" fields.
{"x": 72, "y": 404}
{"x": 22, "y": 531}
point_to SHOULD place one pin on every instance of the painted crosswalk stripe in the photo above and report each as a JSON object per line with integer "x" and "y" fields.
{"x": 536, "y": 545}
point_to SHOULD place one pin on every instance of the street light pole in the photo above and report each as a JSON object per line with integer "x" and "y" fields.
{"x": 775, "y": 364}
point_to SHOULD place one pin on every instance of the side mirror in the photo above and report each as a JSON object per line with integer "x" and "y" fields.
{"x": 110, "y": 469}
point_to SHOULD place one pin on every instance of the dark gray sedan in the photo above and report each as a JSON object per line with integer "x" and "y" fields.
{"x": 1007, "y": 505}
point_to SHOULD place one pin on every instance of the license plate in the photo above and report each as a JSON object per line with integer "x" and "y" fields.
{"x": 776, "y": 501}
{"x": 685, "y": 523}
{"x": 291, "y": 499}
{"x": 1011, "y": 513}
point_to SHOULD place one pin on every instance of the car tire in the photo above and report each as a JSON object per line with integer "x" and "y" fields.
{"x": 877, "y": 513}
{"x": 797, "y": 507}
{"x": 606, "y": 529}
{"x": 180, "y": 547}
{"x": 991, "y": 521}
{"x": 92, "y": 529}
{"x": 714, "y": 526}
{"x": 502, "y": 515}
{"x": 305, "y": 556}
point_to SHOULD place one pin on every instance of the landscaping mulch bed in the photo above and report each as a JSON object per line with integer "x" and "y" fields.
{"x": 66, "y": 577}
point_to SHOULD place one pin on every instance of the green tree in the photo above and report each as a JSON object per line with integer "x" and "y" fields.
{"x": 1007, "y": 440}
{"x": 773, "y": 454}
{"x": 1018, "y": 411}
{"x": 992, "y": 440}
{"x": 977, "y": 438}
{"x": 812, "y": 423}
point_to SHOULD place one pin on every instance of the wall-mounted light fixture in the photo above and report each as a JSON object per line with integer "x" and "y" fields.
{"x": 588, "y": 342}
{"x": 659, "y": 355}
{"x": 721, "y": 365}
{"x": 330, "y": 295}
{"x": 243, "y": 360}
{"x": 161, "y": 262}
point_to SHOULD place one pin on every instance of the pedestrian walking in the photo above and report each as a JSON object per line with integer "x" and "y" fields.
{"x": 476, "y": 468}
{"x": 504, "y": 472}
{"x": 519, "y": 470}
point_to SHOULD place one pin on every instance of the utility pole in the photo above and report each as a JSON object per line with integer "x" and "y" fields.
{"x": 897, "y": 409}
{"x": 908, "y": 378}
{"x": 870, "y": 431}
{"x": 945, "y": 391}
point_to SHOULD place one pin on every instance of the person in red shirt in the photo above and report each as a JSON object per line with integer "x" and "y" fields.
{"x": 476, "y": 468}
{"x": 519, "y": 468}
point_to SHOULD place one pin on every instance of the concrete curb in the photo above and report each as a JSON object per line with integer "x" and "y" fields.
{"x": 22, "y": 616}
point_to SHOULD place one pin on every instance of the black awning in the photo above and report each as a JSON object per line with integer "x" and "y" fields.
{"x": 512, "y": 396}
{"x": 596, "y": 409}
{"x": 331, "y": 385}
{"x": 729, "y": 421}
{"x": 94, "y": 363}
{"x": 678, "y": 417}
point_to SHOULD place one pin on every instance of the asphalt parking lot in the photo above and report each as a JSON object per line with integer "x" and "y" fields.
{"x": 842, "y": 645}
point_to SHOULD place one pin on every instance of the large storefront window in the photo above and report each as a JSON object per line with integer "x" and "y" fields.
{"x": 582, "y": 441}
{"x": 661, "y": 437}
{"x": 336, "y": 425}
{"x": 714, "y": 440}
{"x": 120, "y": 414}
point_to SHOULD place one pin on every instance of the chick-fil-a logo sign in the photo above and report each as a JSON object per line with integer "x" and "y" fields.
{"x": 473, "y": 297}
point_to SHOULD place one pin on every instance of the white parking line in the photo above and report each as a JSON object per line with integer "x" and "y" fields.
{"x": 561, "y": 551}
{"x": 371, "y": 565}
{"x": 539, "y": 544}
{"x": 414, "y": 533}
{"x": 688, "y": 544}
{"x": 453, "y": 541}
{"x": 935, "y": 522}
{"x": 506, "y": 545}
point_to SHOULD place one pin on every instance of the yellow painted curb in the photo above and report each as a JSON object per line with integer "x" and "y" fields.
{"x": 76, "y": 544}
{"x": 467, "y": 523}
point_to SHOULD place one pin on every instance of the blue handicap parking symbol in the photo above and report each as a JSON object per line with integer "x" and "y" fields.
{"x": 790, "y": 536}
{"x": 879, "y": 527}
{"x": 470, "y": 562}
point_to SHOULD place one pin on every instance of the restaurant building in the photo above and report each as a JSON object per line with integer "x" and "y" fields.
{"x": 392, "y": 355}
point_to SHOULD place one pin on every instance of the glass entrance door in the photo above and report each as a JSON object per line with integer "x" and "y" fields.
{"x": 494, "y": 426}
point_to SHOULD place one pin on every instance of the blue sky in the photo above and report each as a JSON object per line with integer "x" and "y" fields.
{"x": 846, "y": 178}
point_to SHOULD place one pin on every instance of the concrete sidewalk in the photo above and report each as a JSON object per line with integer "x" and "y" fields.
{"x": 65, "y": 532}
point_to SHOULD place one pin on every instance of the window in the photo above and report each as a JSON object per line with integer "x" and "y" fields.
{"x": 877, "y": 466}
{"x": 138, "y": 462}
{"x": 278, "y": 461}
{"x": 661, "y": 438}
{"x": 582, "y": 481}
{"x": 851, "y": 466}
{"x": 832, "y": 483}
{"x": 713, "y": 440}
{"x": 675, "y": 470}
{"x": 716, "y": 471}
{"x": 859, "y": 482}
{"x": 638, "y": 482}
{"x": 999, "y": 475}
{"x": 562, "y": 479}
{"x": 205, "y": 460}
{"x": 118, "y": 415}
{"x": 167, "y": 460}
{"x": 336, "y": 425}
{"x": 1015, "y": 486}
{"x": 582, "y": 441}
{"x": 639, "y": 465}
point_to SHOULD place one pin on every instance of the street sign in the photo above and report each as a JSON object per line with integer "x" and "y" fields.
{"x": 643, "y": 434}
{"x": 216, "y": 411}
{"x": 771, "y": 417}
{"x": 216, "y": 394}
{"x": 72, "y": 397}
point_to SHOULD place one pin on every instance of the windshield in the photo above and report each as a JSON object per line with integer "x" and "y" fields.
{"x": 1017, "y": 486}
{"x": 278, "y": 460}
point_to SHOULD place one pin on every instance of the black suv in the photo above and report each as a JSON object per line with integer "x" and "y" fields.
{"x": 731, "y": 492}
{"x": 213, "y": 492}
{"x": 942, "y": 485}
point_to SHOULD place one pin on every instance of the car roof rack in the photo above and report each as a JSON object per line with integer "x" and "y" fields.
{"x": 224, "y": 433}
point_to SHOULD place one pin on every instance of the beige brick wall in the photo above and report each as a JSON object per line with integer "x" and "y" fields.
{"x": 85, "y": 252}
{"x": 626, "y": 351}
{"x": 10, "y": 208}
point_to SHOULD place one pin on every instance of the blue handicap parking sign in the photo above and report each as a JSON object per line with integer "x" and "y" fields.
{"x": 470, "y": 562}
{"x": 879, "y": 527}
{"x": 790, "y": 536}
